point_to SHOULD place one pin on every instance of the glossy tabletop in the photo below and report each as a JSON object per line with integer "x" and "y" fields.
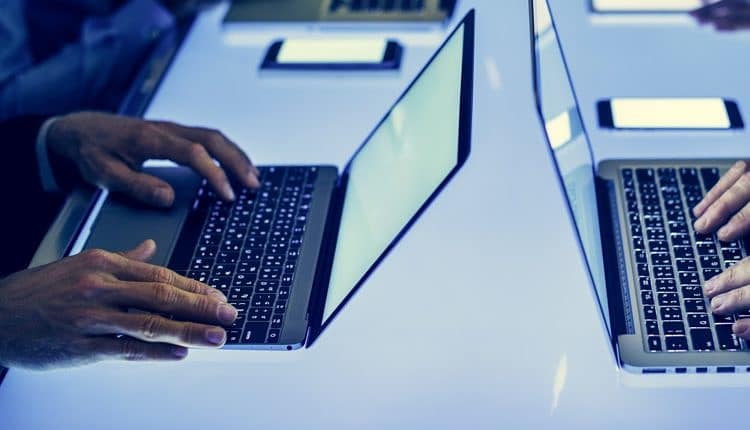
{"x": 482, "y": 317}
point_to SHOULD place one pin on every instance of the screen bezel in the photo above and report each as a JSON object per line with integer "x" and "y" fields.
{"x": 560, "y": 181}
{"x": 464, "y": 143}
{"x": 606, "y": 119}
{"x": 391, "y": 60}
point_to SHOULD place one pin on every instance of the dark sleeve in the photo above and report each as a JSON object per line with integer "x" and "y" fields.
{"x": 19, "y": 170}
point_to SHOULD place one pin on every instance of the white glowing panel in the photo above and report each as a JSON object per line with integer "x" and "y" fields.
{"x": 325, "y": 51}
{"x": 646, "y": 5}
{"x": 669, "y": 113}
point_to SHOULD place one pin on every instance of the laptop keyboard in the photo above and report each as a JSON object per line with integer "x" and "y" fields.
{"x": 376, "y": 5}
{"x": 248, "y": 249}
{"x": 672, "y": 261}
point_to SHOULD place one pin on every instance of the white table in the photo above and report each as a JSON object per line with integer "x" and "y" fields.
{"x": 482, "y": 317}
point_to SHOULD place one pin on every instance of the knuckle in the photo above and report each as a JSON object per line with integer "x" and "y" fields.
{"x": 163, "y": 275}
{"x": 197, "y": 152}
{"x": 165, "y": 295}
{"x": 131, "y": 350}
{"x": 151, "y": 327}
{"x": 97, "y": 258}
{"x": 85, "y": 320}
{"x": 188, "y": 334}
{"x": 741, "y": 216}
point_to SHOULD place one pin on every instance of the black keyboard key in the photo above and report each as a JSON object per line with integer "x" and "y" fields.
{"x": 697, "y": 320}
{"x": 665, "y": 272}
{"x": 234, "y": 337}
{"x": 255, "y": 332}
{"x": 649, "y": 312}
{"x": 644, "y": 282}
{"x": 273, "y": 336}
{"x": 674, "y": 328}
{"x": 658, "y": 246}
{"x": 706, "y": 249}
{"x": 668, "y": 299}
{"x": 670, "y": 313}
{"x": 684, "y": 265}
{"x": 692, "y": 292}
{"x": 645, "y": 176}
{"x": 680, "y": 239}
{"x": 658, "y": 258}
{"x": 689, "y": 176}
{"x": 731, "y": 254}
{"x": 689, "y": 278}
{"x": 279, "y": 307}
{"x": 723, "y": 318}
{"x": 647, "y": 298}
{"x": 710, "y": 273}
{"x": 683, "y": 252}
{"x": 656, "y": 233}
{"x": 676, "y": 343}
{"x": 637, "y": 243}
{"x": 726, "y": 339}
{"x": 259, "y": 314}
{"x": 702, "y": 339}
{"x": 695, "y": 306}
{"x": 654, "y": 343}
{"x": 277, "y": 321}
{"x": 729, "y": 245}
{"x": 652, "y": 328}
{"x": 666, "y": 285}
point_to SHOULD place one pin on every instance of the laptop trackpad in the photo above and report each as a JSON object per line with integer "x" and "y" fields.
{"x": 122, "y": 224}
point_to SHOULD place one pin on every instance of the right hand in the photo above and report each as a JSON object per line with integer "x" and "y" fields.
{"x": 69, "y": 312}
{"x": 725, "y": 15}
{"x": 725, "y": 209}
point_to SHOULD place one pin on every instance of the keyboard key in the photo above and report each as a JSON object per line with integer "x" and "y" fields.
{"x": 665, "y": 272}
{"x": 654, "y": 343}
{"x": 670, "y": 313}
{"x": 683, "y": 252}
{"x": 644, "y": 282}
{"x": 706, "y": 249}
{"x": 273, "y": 336}
{"x": 658, "y": 258}
{"x": 233, "y": 337}
{"x": 692, "y": 292}
{"x": 255, "y": 332}
{"x": 676, "y": 343}
{"x": 647, "y": 298}
{"x": 726, "y": 339}
{"x": 684, "y": 265}
{"x": 652, "y": 327}
{"x": 668, "y": 299}
{"x": 710, "y": 273}
{"x": 695, "y": 306}
{"x": 665, "y": 285}
{"x": 731, "y": 254}
{"x": 710, "y": 177}
{"x": 702, "y": 339}
{"x": 697, "y": 320}
{"x": 674, "y": 328}
{"x": 680, "y": 239}
{"x": 689, "y": 278}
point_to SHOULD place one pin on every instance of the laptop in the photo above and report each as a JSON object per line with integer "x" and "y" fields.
{"x": 634, "y": 224}
{"x": 340, "y": 10}
{"x": 289, "y": 255}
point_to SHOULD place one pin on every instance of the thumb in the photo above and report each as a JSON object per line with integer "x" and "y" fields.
{"x": 143, "y": 252}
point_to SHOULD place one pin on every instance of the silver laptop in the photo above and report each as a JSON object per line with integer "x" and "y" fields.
{"x": 634, "y": 224}
{"x": 290, "y": 255}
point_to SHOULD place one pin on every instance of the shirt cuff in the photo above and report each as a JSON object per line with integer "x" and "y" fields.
{"x": 47, "y": 177}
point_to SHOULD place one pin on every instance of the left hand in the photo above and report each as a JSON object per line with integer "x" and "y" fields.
{"x": 725, "y": 15}
{"x": 108, "y": 151}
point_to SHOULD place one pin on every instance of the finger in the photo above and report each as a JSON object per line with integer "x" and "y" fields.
{"x": 726, "y": 181}
{"x": 228, "y": 153}
{"x": 134, "y": 350}
{"x": 731, "y": 301}
{"x": 143, "y": 252}
{"x": 153, "y": 328}
{"x": 145, "y": 188}
{"x": 734, "y": 277}
{"x": 725, "y": 206}
{"x": 168, "y": 299}
{"x": 742, "y": 329}
{"x": 737, "y": 226}
{"x": 137, "y": 271}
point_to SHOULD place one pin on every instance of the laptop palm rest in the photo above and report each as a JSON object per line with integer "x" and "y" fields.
{"x": 122, "y": 223}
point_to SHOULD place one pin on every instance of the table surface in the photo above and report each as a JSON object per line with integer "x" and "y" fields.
{"x": 483, "y": 315}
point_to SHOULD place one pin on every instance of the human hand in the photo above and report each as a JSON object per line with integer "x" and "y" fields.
{"x": 108, "y": 150}
{"x": 729, "y": 292}
{"x": 725, "y": 14}
{"x": 67, "y": 313}
{"x": 726, "y": 206}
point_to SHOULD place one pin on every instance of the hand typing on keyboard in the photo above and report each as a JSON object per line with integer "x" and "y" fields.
{"x": 726, "y": 206}
{"x": 108, "y": 150}
{"x": 74, "y": 311}
{"x": 725, "y": 209}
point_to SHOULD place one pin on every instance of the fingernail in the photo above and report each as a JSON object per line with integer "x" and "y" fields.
{"x": 717, "y": 302}
{"x": 179, "y": 352}
{"x": 700, "y": 224}
{"x": 215, "y": 335}
{"x": 218, "y": 294}
{"x": 252, "y": 179}
{"x": 163, "y": 195}
{"x": 228, "y": 192}
{"x": 724, "y": 232}
{"x": 227, "y": 313}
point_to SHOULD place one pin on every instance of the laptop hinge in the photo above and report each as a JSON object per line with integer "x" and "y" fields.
{"x": 616, "y": 274}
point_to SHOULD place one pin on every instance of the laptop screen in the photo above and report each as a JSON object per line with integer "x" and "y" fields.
{"x": 568, "y": 142}
{"x": 402, "y": 164}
